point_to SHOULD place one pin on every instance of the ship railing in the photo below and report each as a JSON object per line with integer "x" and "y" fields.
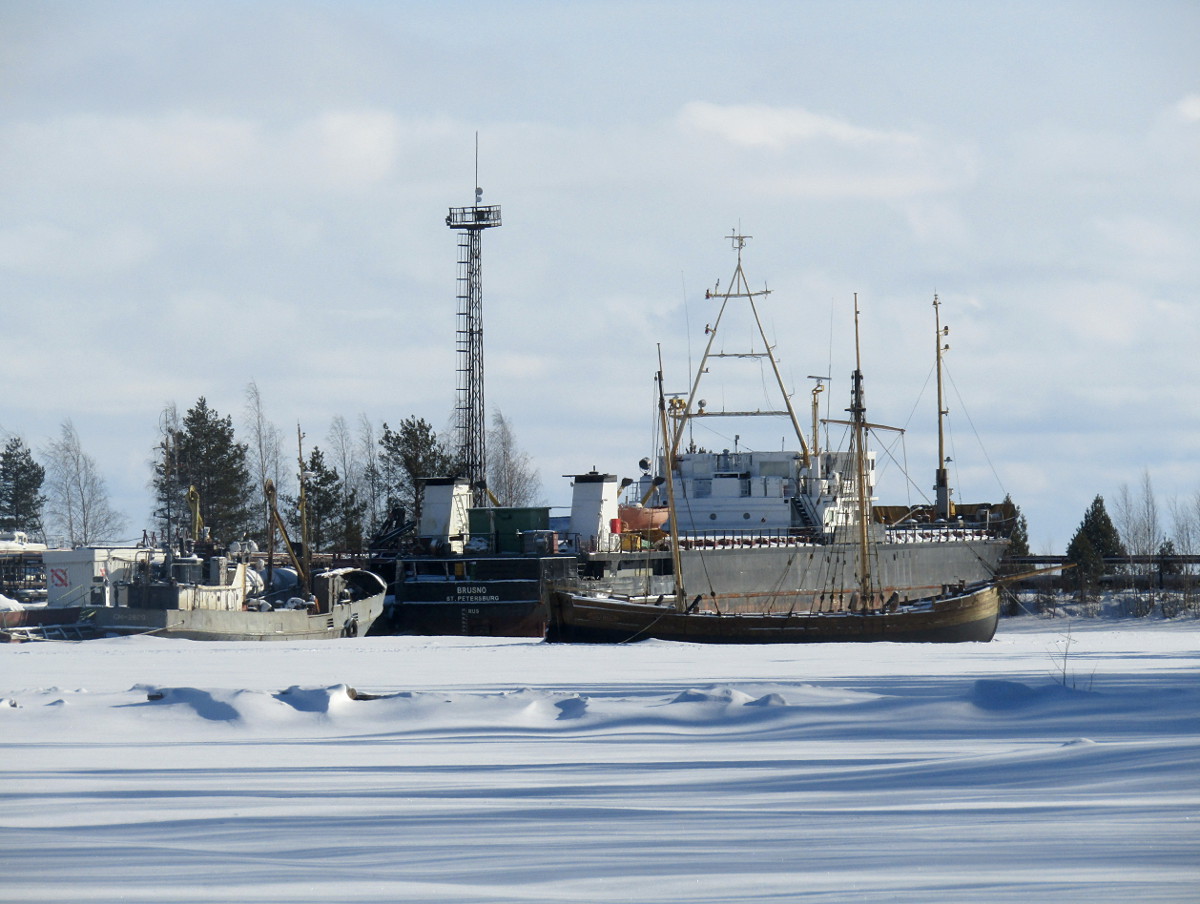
{"x": 746, "y": 539}
{"x": 936, "y": 533}
{"x": 585, "y": 586}
{"x": 578, "y": 544}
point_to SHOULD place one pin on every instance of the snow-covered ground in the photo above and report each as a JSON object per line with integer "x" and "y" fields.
{"x": 498, "y": 770}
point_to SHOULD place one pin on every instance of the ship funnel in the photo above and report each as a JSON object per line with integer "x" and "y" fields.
{"x": 594, "y": 510}
{"x": 444, "y": 510}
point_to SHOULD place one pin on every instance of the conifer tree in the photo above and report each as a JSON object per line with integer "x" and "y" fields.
{"x": 21, "y": 499}
{"x": 1167, "y": 561}
{"x": 409, "y": 455}
{"x": 334, "y": 516}
{"x": 1018, "y": 538}
{"x": 200, "y": 451}
{"x": 1095, "y": 540}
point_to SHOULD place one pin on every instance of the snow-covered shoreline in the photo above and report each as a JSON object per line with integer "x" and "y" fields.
{"x": 141, "y": 769}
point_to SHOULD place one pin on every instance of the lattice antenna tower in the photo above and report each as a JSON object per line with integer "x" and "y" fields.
{"x": 470, "y": 412}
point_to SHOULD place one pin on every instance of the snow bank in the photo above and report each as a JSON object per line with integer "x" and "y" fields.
{"x": 1042, "y": 766}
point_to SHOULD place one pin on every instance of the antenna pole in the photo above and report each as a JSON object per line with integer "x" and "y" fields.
{"x": 470, "y": 412}
{"x": 738, "y": 287}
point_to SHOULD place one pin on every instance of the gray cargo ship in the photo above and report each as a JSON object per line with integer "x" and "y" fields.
{"x": 780, "y": 545}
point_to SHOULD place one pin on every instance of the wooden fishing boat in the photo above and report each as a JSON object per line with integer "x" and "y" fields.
{"x": 961, "y": 614}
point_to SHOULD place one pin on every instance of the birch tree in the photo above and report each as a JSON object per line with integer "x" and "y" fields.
{"x": 265, "y": 458}
{"x": 374, "y": 495}
{"x": 343, "y": 453}
{"x": 77, "y": 506}
{"x": 1137, "y": 519}
{"x": 511, "y": 476}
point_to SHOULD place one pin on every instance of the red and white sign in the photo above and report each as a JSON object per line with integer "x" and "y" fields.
{"x": 58, "y": 578}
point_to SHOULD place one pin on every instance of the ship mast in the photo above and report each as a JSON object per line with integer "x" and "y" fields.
{"x": 738, "y": 288}
{"x": 669, "y": 467}
{"x": 858, "y": 412}
{"x": 818, "y": 388}
{"x": 943, "y": 507}
{"x": 305, "y": 536}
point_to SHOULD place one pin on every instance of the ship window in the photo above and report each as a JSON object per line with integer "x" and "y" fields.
{"x": 703, "y": 486}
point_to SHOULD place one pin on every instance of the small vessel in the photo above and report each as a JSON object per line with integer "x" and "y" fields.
{"x": 23, "y": 591}
{"x": 216, "y": 597}
{"x": 200, "y": 591}
{"x": 778, "y": 546}
{"x": 467, "y": 570}
{"x": 22, "y": 571}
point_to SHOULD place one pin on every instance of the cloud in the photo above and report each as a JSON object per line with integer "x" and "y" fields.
{"x": 179, "y": 147}
{"x": 777, "y": 128}
{"x": 333, "y": 149}
{"x": 354, "y": 148}
{"x": 45, "y": 249}
{"x": 799, "y": 154}
{"x": 1147, "y": 245}
{"x": 1188, "y": 109}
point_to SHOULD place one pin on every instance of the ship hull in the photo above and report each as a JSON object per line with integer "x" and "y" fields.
{"x": 474, "y": 596}
{"x": 517, "y": 618}
{"x": 967, "y": 616}
{"x": 343, "y": 620}
{"x": 39, "y": 623}
{"x": 761, "y": 574}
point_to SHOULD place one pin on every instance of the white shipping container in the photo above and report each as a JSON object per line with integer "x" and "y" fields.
{"x": 81, "y": 577}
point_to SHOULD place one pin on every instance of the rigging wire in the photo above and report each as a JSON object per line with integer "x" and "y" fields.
{"x": 687, "y": 320}
{"x": 912, "y": 484}
{"x": 974, "y": 430}
{"x": 829, "y": 371}
{"x": 921, "y": 394}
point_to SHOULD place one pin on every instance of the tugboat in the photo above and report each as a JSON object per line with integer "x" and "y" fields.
{"x": 463, "y": 570}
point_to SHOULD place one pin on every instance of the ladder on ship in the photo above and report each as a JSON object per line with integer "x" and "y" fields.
{"x": 69, "y": 633}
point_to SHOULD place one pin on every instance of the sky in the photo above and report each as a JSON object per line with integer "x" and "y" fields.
{"x": 197, "y": 197}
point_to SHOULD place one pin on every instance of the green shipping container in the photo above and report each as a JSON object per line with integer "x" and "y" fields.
{"x": 504, "y": 526}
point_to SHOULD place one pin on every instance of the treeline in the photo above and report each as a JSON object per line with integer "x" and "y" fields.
{"x": 357, "y": 474}
{"x": 206, "y": 474}
{"x": 1139, "y": 530}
